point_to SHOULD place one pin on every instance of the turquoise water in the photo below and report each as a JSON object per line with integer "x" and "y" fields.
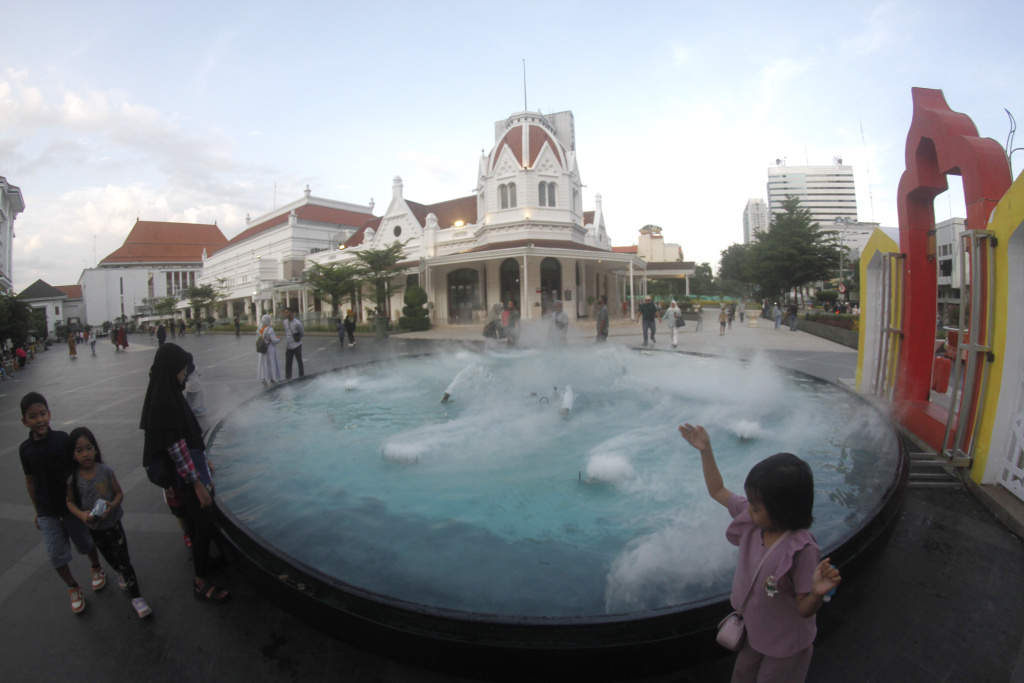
{"x": 501, "y": 502}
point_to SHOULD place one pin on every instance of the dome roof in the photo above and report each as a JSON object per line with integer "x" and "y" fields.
{"x": 531, "y": 136}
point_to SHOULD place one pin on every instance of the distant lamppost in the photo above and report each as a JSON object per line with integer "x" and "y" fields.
{"x": 845, "y": 221}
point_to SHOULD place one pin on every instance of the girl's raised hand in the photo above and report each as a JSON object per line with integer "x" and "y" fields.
{"x": 826, "y": 577}
{"x": 695, "y": 435}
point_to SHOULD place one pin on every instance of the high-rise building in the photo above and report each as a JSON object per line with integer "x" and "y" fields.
{"x": 755, "y": 219}
{"x": 826, "y": 191}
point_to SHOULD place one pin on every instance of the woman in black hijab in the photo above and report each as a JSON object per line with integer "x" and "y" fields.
{"x": 171, "y": 431}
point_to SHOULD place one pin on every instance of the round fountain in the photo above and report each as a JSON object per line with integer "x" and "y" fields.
{"x": 533, "y": 512}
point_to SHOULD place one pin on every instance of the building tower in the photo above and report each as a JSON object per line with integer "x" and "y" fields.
{"x": 826, "y": 191}
{"x": 755, "y": 219}
{"x": 11, "y": 204}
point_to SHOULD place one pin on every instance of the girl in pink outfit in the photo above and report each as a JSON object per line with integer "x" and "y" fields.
{"x": 791, "y": 583}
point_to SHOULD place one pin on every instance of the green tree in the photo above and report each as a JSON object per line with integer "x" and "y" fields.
{"x": 334, "y": 281}
{"x": 165, "y": 305}
{"x": 18, "y": 320}
{"x": 735, "y": 275}
{"x": 201, "y": 296}
{"x": 377, "y": 270}
{"x": 703, "y": 282}
{"x": 414, "y": 314}
{"x": 793, "y": 252}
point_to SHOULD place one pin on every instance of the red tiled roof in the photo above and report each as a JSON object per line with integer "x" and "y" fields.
{"x": 514, "y": 141}
{"x": 357, "y": 239}
{"x": 71, "y": 291}
{"x": 624, "y": 250}
{"x": 306, "y": 212}
{"x": 160, "y": 242}
{"x": 538, "y": 136}
{"x": 447, "y": 212}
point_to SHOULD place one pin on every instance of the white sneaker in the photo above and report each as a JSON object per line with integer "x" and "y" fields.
{"x": 77, "y": 600}
{"x": 121, "y": 583}
{"x": 141, "y": 607}
{"x": 99, "y": 579}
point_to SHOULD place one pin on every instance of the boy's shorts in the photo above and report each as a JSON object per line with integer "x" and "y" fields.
{"x": 57, "y": 531}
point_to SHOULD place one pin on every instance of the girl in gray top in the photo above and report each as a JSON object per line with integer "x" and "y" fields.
{"x": 95, "y": 497}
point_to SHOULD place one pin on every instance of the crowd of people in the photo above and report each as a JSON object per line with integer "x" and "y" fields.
{"x": 780, "y": 582}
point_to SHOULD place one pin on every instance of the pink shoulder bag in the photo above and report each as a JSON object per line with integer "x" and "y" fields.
{"x": 731, "y": 630}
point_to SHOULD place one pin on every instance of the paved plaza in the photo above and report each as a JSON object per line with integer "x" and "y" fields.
{"x": 942, "y": 601}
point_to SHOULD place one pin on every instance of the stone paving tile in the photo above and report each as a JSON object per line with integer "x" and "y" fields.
{"x": 941, "y": 602}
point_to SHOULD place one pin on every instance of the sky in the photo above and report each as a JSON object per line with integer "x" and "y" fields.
{"x": 208, "y": 111}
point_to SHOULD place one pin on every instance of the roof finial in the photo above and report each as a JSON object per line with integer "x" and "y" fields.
{"x": 306, "y": 192}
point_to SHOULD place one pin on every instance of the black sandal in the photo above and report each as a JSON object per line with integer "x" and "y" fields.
{"x": 211, "y": 592}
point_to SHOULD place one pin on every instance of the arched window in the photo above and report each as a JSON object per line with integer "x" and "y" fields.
{"x": 510, "y": 281}
{"x": 503, "y": 191}
{"x": 512, "y": 195}
{"x": 550, "y": 284}
{"x": 547, "y": 193}
{"x": 463, "y": 294}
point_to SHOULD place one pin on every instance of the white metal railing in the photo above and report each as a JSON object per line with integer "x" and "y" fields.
{"x": 977, "y": 307}
{"x": 890, "y": 327}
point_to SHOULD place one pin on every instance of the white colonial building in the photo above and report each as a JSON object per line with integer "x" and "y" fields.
{"x": 260, "y": 269}
{"x": 156, "y": 260}
{"x": 522, "y": 236}
{"x": 11, "y": 204}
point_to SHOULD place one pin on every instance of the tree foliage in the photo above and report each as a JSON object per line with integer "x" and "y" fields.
{"x": 165, "y": 305}
{"x": 793, "y": 252}
{"x": 18, "y": 320}
{"x": 703, "y": 281}
{"x": 334, "y": 281}
{"x": 377, "y": 269}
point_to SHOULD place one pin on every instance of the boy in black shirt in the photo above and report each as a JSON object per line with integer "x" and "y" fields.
{"x": 47, "y": 465}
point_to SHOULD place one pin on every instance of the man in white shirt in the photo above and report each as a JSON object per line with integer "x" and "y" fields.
{"x": 559, "y": 325}
{"x": 293, "y": 334}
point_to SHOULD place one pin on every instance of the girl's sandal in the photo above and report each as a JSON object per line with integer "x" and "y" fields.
{"x": 211, "y": 592}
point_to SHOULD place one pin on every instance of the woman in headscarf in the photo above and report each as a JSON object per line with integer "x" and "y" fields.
{"x": 172, "y": 432}
{"x": 492, "y": 323}
{"x": 268, "y": 368}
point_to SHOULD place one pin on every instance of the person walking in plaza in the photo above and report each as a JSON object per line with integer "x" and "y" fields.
{"x": 91, "y": 483}
{"x": 172, "y": 433}
{"x": 161, "y": 334}
{"x": 293, "y": 333}
{"x": 780, "y": 581}
{"x": 777, "y": 315}
{"x": 602, "y": 319}
{"x": 238, "y": 327}
{"x": 92, "y": 340}
{"x": 648, "y": 315}
{"x": 792, "y": 317}
{"x": 47, "y": 466}
{"x": 559, "y": 332}
{"x": 181, "y": 327}
{"x": 673, "y": 319}
{"x": 510, "y": 321}
{"x": 350, "y": 327}
{"x": 122, "y": 338}
{"x": 268, "y": 368}
{"x": 72, "y": 346}
{"x": 723, "y": 318}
